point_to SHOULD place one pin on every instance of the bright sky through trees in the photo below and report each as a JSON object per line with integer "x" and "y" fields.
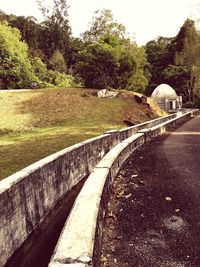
{"x": 144, "y": 19}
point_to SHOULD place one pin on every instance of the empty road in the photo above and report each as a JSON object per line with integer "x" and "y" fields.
{"x": 153, "y": 217}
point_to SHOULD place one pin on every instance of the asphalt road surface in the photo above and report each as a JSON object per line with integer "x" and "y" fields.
{"x": 153, "y": 217}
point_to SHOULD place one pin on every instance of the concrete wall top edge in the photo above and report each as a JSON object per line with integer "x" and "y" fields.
{"x": 133, "y": 137}
{"x": 146, "y": 130}
{"x": 108, "y": 159}
{"x": 144, "y": 123}
{"x": 94, "y": 139}
{"x": 7, "y": 182}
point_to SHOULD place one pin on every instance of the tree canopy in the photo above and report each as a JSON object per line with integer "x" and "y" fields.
{"x": 15, "y": 67}
{"x": 110, "y": 58}
{"x": 176, "y": 61}
{"x": 46, "y": 54}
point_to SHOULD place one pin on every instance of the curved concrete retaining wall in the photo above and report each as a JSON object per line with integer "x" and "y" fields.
{"x": 80, "y": 240}
{"x": 28, "y": 196}
{"x": 76, "y": 244}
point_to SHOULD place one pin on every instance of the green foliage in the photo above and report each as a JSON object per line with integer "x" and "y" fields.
{"x": 39, "y": 68}
{"x": 189, "y": 104}
{"x": 56, "y": 32}
{"x": 188, "y": 54}
{"x": 103, "y": 65}
{"x": 108, "y": 59}
{"x": 77, "y": 45}
{"x": 177, "y": 77}
{"x": 15, "y": 67}
{"x": 159, "y": 55}
{"x": 138, "y": 80}
{"x": 105, "y": 57}
{"x": 176, "y": 61}
{"x": 98, "y": 65}
{"x": 60, "y": 79}
{"x": 57, "y": 62}
{"x": 102, "y": 25}
{"x": 29, "y": 28}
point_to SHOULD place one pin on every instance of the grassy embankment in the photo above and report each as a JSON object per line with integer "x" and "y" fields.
{"x": 37, "y": 123}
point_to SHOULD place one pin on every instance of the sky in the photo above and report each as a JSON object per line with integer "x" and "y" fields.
{"x": 144, "y": 20}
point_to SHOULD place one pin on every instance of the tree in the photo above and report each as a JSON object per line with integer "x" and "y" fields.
{"x": 178, "y": 77}
{"x": 97, "y": 65}
{"x": 57, "y": 62}
{"x": 102, "y": 25}
{"x": 77, "y": 44}
{"x": 56, "y": 31}
{"x": 39, "y": 68}
{"x": 188, "y": 54}
{"x": 160, "y": 54}
{"x": 176, "y": 61}
{"x": 109, "y": 57}
{"x": 29, "y": 29}
{"x": 15, "y": 67}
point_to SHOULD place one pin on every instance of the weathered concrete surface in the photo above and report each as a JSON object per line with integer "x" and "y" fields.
{"x": 28, "y": 196}
{"x": 77, "y": 242}
{"x": 154, "y": 210}
{"x": 84, "y": 224}
{"x": 39, "y": 246}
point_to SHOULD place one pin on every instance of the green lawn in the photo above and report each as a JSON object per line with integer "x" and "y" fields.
{"x": 37, "y": 123}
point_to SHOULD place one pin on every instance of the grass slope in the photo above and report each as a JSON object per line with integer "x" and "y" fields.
{"x": 37, "y": 123}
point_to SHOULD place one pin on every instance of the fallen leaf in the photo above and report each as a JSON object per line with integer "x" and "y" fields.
{"x": 129, "y": 195}
{"x": 134, "y": 175}
{"x": 141, "y": 182}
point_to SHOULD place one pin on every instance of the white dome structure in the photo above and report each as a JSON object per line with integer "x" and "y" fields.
{"x": 162, "y": 92}
{"x": 166, "y": 97}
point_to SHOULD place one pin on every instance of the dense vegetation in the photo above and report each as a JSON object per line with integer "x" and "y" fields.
{"x": 104, "y": 57}
{"x": 39, "y": 55}
{"x": 176, "y": 61}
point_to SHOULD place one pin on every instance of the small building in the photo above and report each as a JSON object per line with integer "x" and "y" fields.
{"x": 166, "y": 97}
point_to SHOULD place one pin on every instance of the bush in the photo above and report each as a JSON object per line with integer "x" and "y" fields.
{"x": 60, "y": 79}
{"x": 15, "y": 67}
{"x": 189, "y": 104}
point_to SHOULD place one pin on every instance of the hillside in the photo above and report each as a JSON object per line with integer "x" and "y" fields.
{"x": 37, "y": 123}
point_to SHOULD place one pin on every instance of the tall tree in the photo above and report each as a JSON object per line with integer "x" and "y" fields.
{"x": 159, "y": 55}
{"x": 110, "y": 59}
{"x": 103, "y": 24}
{"x": 176, "y": 61}
{"x": 188, "y": 54}
{"x": 56, "y": 29}
{"x": 57, "y": 62}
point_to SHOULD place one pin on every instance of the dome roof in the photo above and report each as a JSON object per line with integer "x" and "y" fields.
{"x": 163, "y": 91}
